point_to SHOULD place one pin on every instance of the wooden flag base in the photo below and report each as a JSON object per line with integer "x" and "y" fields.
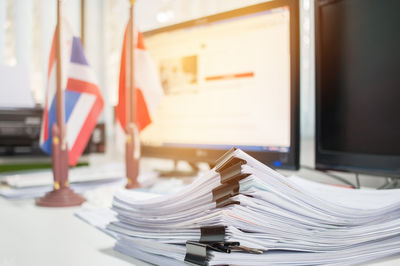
{"x": 132, "y": 183}
{"x": 63, "y": 197}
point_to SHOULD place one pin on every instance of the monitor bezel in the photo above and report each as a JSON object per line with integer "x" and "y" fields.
{"x": 379, "y": 165}
{"x": 287, "y": 160}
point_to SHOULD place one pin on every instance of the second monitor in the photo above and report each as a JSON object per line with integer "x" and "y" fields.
{"x": 229, "y": 80}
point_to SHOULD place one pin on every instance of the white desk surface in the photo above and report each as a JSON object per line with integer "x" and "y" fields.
{"x": 37, "y": 236}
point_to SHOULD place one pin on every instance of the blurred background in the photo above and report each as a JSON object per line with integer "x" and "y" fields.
{"x": 25, "y": 39}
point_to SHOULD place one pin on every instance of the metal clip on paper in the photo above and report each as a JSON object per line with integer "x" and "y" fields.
{"x": 196, "y": 253}
{"x": 212, "y": 239}
{"x": 230, "y": 169}
{"x": 210, "y": 234}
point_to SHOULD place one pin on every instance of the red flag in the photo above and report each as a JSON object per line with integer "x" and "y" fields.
{"x": 148, "y": 90}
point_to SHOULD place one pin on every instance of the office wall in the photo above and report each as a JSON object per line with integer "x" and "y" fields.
{"x": 27, "y": 28}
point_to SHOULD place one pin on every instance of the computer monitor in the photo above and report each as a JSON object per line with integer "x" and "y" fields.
{"x": 230, "y": 80}
{"x": 358, "y": 86}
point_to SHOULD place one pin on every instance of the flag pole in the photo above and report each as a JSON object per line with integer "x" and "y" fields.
{"x": 62, "y": 195}
{"x": 83, "y": 22}
{"x": 132, "y": 146}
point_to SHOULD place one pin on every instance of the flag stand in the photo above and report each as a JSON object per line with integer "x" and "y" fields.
{"x": 62, "y": 195}
{"x": 132, "y": 145}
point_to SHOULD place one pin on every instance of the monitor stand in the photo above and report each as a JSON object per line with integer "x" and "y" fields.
{"x": 179, "y": 172}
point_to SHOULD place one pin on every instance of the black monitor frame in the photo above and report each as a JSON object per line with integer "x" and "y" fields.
{"x": 289, "y": 160}
{"x": 379, "y": 165}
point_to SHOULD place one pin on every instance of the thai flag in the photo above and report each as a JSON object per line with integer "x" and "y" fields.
{"x": 82, "y": 96}
{"x": 148, "y": 89}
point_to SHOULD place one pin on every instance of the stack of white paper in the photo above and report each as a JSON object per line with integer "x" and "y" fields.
{"x": 276, "y": 220}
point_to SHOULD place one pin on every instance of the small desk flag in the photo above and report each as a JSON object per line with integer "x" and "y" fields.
{"x": 148, "y": 92}
{"x": 82, "y": 96}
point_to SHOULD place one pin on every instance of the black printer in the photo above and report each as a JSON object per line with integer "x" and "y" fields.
{"x": 20, "y": 131}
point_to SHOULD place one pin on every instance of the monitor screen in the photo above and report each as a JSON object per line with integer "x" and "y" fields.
{"x": 358, "y": 85}
{"x": 229, "y": 80}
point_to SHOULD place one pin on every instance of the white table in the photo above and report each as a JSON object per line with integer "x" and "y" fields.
{"x": 31, "y": 235}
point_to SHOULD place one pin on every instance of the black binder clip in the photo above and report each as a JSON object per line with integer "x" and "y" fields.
{"x": 227, "y": 160}
{"x": 230, "y": 169}
{"x": 233, "y": 172}
{"x": 197, "y": 253}
{"x": 210, "y": 234}
{"x": 212, "y": 239}
{"x": 224, "y": 157}
{"x": 222, "y": 194}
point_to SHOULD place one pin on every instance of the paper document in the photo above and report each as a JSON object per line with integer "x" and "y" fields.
{"x": 259, "y": 216}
